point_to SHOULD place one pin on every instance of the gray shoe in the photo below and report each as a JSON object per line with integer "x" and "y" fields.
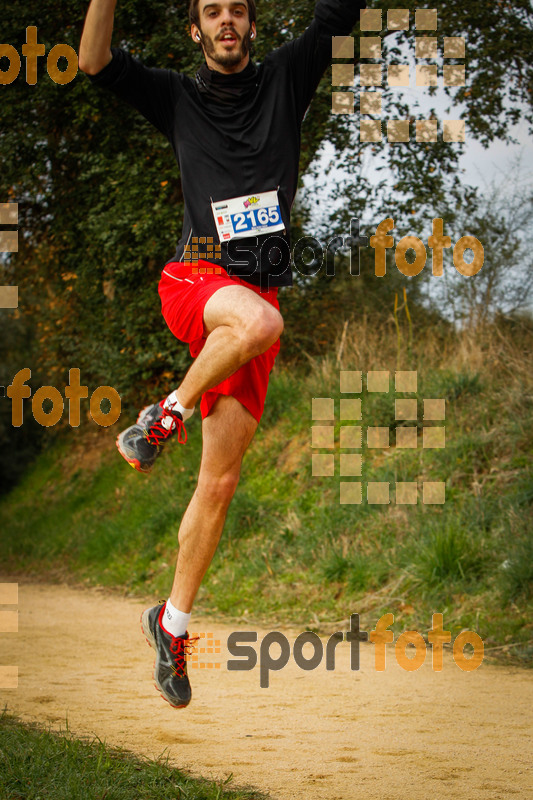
{"x": 142, "y": 443}
{"x": 170, "y": 670}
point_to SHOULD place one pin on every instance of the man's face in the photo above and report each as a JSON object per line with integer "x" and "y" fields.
{"x": 225, "y": 33}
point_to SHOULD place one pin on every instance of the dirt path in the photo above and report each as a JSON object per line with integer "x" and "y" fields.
{"x": 338, "y": 735}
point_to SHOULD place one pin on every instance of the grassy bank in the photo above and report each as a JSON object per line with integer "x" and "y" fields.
{"x": 290, "y": 551}
{"x": 35, "y": 763}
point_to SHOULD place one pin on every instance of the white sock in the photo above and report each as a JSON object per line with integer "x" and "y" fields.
{"x": 174, "y": 621}
{"x": 173, "y": 404}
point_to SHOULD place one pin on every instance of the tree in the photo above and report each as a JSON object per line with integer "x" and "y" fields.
{"x": 500, "y": 218}
{"x": 100, "y": 203}
{"x": 498, "y": 94}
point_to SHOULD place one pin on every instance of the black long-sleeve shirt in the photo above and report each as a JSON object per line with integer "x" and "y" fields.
{"x": 237, "y": 134}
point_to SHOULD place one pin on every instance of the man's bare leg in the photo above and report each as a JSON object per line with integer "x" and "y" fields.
{"x": 239, "y": 325}
{"x": 226, "y": 433}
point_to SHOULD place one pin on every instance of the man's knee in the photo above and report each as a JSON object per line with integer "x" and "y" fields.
{"x": 261, "y": 330}
{"x": 218, "y": 490}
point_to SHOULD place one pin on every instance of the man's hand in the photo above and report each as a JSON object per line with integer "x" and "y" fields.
{"x": 95, "y": 44}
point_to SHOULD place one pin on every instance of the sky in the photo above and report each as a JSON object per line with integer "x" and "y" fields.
{"x": 480, "y": 167}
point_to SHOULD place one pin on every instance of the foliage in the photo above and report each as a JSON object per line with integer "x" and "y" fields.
{"x": 291, "y": 551}
{"x": 100, "y": 203}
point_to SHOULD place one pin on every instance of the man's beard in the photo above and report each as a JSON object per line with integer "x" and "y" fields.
{"x": 229, "y": 59}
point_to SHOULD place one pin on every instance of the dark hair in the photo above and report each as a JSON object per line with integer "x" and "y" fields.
{"x": 194, "y": 17}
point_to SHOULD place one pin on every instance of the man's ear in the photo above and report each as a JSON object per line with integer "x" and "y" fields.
{"x": 195, "y": 33}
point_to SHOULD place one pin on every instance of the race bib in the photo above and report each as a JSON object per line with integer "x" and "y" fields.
{"x": 249, "y": 215}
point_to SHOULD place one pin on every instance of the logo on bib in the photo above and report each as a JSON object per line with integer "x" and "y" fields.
{"x": 250, "y": 201}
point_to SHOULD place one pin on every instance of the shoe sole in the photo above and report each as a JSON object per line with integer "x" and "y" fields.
{"x": 133, "y": 462}
{"x": 145, "y": 626}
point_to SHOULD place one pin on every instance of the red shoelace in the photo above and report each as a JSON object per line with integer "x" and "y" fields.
{"x": 182, "y": 648}
{"x": 157, "y": 434}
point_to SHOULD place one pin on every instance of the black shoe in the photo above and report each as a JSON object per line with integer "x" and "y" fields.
{"x": 142, "y": 443}
{"x": 170, "y": 670}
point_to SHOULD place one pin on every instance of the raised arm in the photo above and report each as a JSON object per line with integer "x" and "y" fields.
{"x": 95, "y": 44}
{"x": 309, "y": 55}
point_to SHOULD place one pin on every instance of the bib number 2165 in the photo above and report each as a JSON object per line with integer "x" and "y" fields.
{"x": 248, "y": 215}
{"x": 263, "y": 217}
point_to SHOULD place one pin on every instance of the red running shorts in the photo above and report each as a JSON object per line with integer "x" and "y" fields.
{"x": 184, "y": 290}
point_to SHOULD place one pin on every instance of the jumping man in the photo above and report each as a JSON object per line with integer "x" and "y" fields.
{"x": 235, "y": 131}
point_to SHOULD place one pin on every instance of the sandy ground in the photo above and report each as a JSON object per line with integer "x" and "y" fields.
{"x": 338, "y": 735}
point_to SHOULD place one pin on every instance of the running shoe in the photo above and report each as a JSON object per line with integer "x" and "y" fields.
{"x": 170, "y": 669}
{"x": 142, "y": 443}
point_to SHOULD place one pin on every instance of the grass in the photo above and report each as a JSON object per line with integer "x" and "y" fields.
{"x": 36, "y": 764}
{"x": 291, "y": 553}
